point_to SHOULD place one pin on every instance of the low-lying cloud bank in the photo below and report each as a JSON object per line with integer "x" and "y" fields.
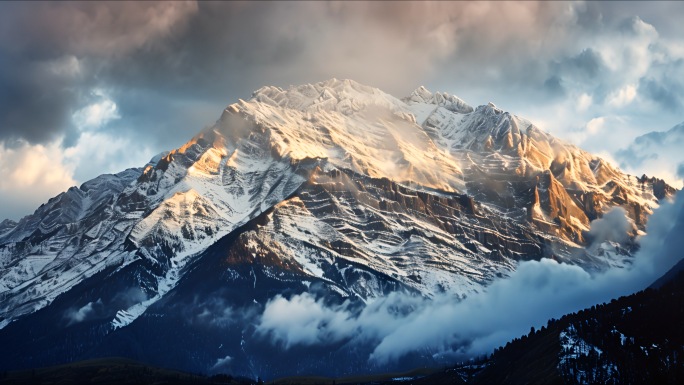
{"x": 537, "y": 291}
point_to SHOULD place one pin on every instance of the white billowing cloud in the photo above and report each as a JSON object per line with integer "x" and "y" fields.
{"x": 98, "y": 153}
{"x": 535, "y": 292}
{"x": 623, "y": 96}
{"x": 615, "y": 84}
{"x": 584, "y": 102}
{"x": 628, "y": 50}
{"x": 595, "y": 125}
{"x": 31, "y": 166}
{"x": 613, "y": 226}
{"x": 30, "y": 175}
{"x": 305, "y": 320}
{"x": 662, "y": 246}
{"x": 97, "y": 114}
{"x": 67, "y": 66}
{"x": 83, "y": 313}
{"x": 603, "y": 134}
{"x": 222, "y": 363}
{"x": 302, "y": 320}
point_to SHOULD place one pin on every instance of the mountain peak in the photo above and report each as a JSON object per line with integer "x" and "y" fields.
{"x": 7, "y": 225}
{"x": 351, "y": 125}
{"x": 443, "y": 99}
{"x": 346, "y": 96}
{"x": 421, "y": 94}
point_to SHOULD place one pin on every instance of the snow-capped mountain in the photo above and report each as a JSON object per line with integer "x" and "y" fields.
{"x": 335, "y": 188}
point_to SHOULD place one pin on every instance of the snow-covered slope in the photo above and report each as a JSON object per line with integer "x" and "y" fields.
{"x": 333, "y": 182}
{"x": 61, "y": 244}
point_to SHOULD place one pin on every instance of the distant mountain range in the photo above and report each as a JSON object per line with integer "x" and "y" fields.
{"x": 334, "y": 189}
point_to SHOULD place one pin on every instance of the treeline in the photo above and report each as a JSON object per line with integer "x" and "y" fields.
{"x": 631, "y": 340}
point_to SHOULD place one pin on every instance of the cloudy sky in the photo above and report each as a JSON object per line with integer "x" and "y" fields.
{"x": 92, "y": 87}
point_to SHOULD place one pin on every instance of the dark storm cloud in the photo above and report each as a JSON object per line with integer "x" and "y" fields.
{"x": 51, "y": 54}
{"x": 165, "y": 54}
{"x": 35, "y": 99}
{"x": 44, "y": 30}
